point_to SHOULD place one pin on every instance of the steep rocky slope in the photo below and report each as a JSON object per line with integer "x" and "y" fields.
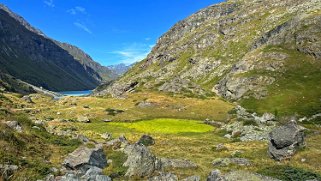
{"x": 27, "y": 54}
{"x": 264, "y": 54}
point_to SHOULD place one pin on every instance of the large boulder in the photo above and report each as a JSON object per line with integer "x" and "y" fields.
{"x": 140, "y": 162}
{"x": 285, "y": 140}
{"x": 84, "y": 158}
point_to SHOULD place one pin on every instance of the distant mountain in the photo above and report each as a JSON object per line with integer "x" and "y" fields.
{"x": 27, "y": 54}
{"x": 119, "y": 69}
{"x": 266, "y": 55}
{"x": 105, "y": 74}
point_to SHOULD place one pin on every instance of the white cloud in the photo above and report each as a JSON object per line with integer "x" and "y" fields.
{"x": 83, "y": 27}
{"x": 49, "y": 3}
{"x": 77, "y": 10}
{"x": 133, "y": 52}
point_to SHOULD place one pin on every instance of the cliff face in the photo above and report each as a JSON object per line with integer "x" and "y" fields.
{"x": 27, "y": 54}
{"x": 241, "y": 50}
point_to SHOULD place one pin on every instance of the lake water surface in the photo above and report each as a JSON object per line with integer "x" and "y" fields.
{"x": 76, "y": 93}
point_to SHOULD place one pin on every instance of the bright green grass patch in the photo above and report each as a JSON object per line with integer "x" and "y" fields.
{"x": 167, "y": 126}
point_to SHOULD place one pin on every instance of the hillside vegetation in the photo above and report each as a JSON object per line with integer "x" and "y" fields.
{"x": 263, "y": 54}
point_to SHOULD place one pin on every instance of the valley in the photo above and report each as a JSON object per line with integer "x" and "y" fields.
{"x": 176, "y": 123}
{"x": 230, "y": 93}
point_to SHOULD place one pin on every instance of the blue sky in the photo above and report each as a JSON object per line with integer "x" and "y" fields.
{"x": 110, "y": 31}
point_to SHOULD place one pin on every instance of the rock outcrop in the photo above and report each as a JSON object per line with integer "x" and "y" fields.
{"x": 140, "y": 162}
{"x": 285, "y": 141}
{"x": 84, "y": 159}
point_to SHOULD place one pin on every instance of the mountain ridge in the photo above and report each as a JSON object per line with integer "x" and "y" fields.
{"x": 240, "y": 50}
{"x": 48, "y": 60}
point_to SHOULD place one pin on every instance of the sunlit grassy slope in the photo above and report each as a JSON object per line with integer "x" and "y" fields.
{"x": 297, "y": 90}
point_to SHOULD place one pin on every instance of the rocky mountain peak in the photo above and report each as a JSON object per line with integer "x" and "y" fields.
{"x": 241, "y": 50}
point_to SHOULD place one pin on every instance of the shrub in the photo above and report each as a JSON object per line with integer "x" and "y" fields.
{"x": 288, "y": 173}
{"x": 113, "y": 112}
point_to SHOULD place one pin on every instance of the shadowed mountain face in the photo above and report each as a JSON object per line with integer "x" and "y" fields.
{"x": 264, "y": 54}
{"x": 27, "y": 54}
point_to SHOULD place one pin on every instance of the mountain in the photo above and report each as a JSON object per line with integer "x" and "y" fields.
{"x": 265, "y": 55}
{"x": 119, "y": 69}
{"x": 105, "y": 74}
{"x": 27, "y": 54}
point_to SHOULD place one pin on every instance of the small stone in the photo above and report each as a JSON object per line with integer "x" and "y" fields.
{"x": 220, "y": 147}
{"x": 7, "y": 170}
{"x": 107, "y": 120}
{"x": 215, "y": 175}
{"x": 164, "y": 177}
{"x": 102, "y": 178}
{"x": 192, "y": 178}
{"x": 223, "y": 162}
{"x": 54, "y": 170}
{"x": 228, "y": 136}
{"x": 106, "y": 136}
{"x": 50, "y": 177}
{"x": 14, "y": 125}
{"x": 27, "y": 99}
{"x": 58, "y": 113}
{"x": 83, "y": 119}
{"x": 39, "y": 122}
{"x": 35, "y": 127}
